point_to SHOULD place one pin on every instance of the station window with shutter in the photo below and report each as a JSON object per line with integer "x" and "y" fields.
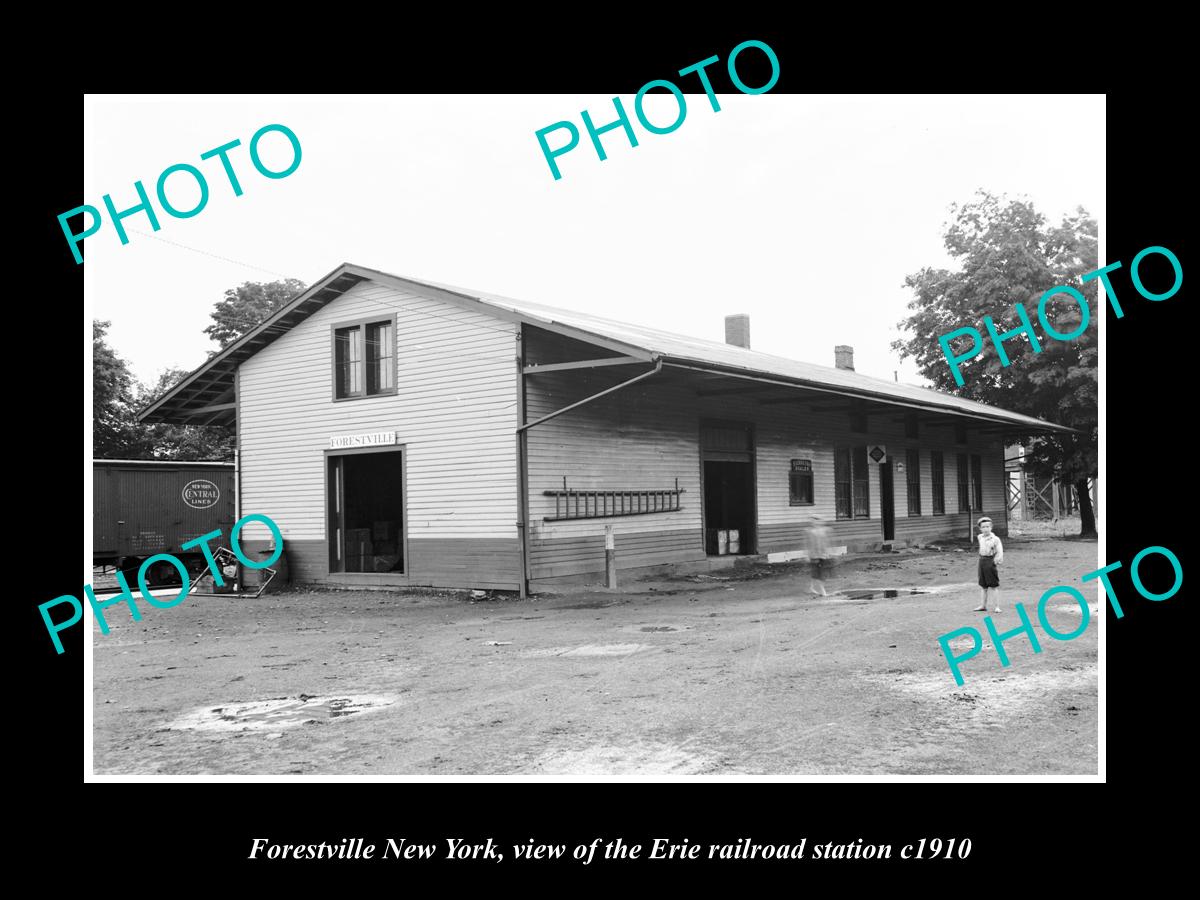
{"x": 841, "y": 481}
{"x": 862, "y": 500}
{"x": 800, "y": 483}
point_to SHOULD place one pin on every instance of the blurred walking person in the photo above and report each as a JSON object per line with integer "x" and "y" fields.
{"x": 818, "y": 556}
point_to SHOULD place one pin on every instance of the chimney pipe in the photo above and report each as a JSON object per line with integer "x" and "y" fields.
{"x": 843, "y": 357}
{"x": 737, "y": 330}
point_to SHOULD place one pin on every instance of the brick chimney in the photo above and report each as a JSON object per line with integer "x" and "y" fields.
{"x": 843, "y": 357}
{"x": 737, "y": 330}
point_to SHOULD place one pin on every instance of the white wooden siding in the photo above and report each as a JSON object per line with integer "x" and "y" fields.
{"x": 455, "y": 411}
{"x": 636, "y": 439}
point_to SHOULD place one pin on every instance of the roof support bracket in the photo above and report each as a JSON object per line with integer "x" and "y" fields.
{"x": 616, "y": 387}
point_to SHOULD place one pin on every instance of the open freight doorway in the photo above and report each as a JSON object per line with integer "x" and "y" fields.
{"x": 366, "y": 511}
{"x": 730, "y": 511}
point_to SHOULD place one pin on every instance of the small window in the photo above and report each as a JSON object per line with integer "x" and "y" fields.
{"x": 364, "y": 360}
{"x": 937, "y": 473}
{"x": 976, "y": 481}
{"x": 964, "y": 492}
{"x": 910, "y": 426}
{"x": 912, "y": 468}
{"x": 800, "y": 483}
{"x": 960, "y": 433}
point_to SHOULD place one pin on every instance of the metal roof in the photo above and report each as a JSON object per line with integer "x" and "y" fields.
{"x": 192, "y": 400}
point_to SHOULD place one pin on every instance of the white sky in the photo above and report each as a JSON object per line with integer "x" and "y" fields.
{"x": 804, "y": 212}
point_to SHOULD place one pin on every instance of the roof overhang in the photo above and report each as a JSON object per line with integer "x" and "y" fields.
{"x": 206, "y": 395}
{"x": 994, "y": 419}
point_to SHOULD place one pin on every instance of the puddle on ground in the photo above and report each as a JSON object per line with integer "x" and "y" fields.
{"x": 587, "y": 650}
{"x": 278, "y": 712}
{"x": 595, "y": 604}
{"x": 883, "y": 592}
{"x": 888, "y": 593}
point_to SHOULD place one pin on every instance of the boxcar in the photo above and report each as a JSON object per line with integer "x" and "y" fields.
{"x": 144, "y": 507}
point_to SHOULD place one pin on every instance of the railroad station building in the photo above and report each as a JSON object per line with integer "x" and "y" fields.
{"x": 401, "y": 432}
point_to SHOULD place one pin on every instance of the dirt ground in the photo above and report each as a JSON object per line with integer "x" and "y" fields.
{"x": 736, "y": 672}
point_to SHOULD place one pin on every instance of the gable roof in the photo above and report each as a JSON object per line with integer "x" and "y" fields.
{"x": 205, "y": 396}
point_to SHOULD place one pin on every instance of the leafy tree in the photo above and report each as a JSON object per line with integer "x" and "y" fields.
{"x": 115, "y": 434}
{"x": 117, "y": 396}
{"x": 1007, "y": 255}
{"x": 245, "y": 306}
{"x": 116, "y": 399}
{"x": 183, "y": 442}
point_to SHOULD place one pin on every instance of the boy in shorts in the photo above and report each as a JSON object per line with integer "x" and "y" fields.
{"x": 991, "y": 553}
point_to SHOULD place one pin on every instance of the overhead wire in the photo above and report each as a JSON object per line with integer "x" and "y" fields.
{"x": 236, "y": 262}
{"x": 281, "y": 275}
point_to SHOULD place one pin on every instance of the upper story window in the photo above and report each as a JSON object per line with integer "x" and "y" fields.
{"x": 911, "y": 428}
{"x": 364, "y": 359}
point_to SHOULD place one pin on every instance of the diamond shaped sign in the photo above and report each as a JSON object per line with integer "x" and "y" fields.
{"x": 877, "y": 453}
